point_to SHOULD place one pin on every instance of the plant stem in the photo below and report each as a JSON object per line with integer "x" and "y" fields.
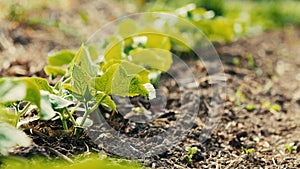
{"x": 60, "y": 83}
{"x": 89, "y": 111}
{"x": 24, "y": 110}
{"x": 85, "y": 114}
{"x": 64, "y": 122}
{"x": 16, "y": 107}
{"x": 96, "y": 105}
{"x": 20, "y": 113}
{"x": 70, "y": 114}
{"x": 78, "y": 129}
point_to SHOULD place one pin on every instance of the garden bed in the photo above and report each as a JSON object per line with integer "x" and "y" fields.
{"x": 259, "y": 125}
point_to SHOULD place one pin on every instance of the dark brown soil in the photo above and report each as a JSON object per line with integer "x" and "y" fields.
{"x": 276, "y": 55}
{"x": 274, "y": 77}
{"x": 50, "y": 140}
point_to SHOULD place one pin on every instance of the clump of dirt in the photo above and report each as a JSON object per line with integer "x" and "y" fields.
{"x": 51, "y": 140}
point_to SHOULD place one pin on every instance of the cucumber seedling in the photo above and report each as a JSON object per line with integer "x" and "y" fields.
{"x": 191, "y": 151}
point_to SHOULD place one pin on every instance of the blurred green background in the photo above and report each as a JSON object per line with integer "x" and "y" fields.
{"x": 220, "y": 20}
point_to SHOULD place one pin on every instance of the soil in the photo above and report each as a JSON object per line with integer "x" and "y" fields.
{"x": 274, "y": 77}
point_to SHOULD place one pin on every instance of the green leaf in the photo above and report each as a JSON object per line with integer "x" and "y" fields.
{"x": 132, "y": 69}
{"x": 104, "y": 82}
{"x": 127, "y": 28}
{"x": 114, "y": 50}
{"x": 275, "y": 108}
{"x": 83, "y": 60}
{"x": 7, "y": 116}
{"x": 191, "y": 150}
{"x": 33, "y": 94}
{"x": 47, "y": 111}
{"x": 11, "y": 91}
{"x": 289, "y": 147}
{"x": 82, "y": 73}
{"x": 93, "y": 53}
{"x": 239, "y": 97}
{"x": 59, "y": 102}
{"x": 81, "y": 81}
{"x": 108, "y": 64}
{"x": 54, "y": 71}
{"x": 41, "y": 83}
{"x": 266, "y": 105}
{"x": 11, "y": 137}
{"x": 61, "y": 58}
{"x": 179, "y": 41}
{"x": 250, "y": 107}
{"x": 19, "y": 89}
{"x": 248, "y": 150}
{"x": 136, "y": 87}
{"x": 107, "y": 101}
{"x": 124, "y": 79}
{"x": 155, "y": 38}
{"x": 91, "y": 161}
{"x": 155, "y": 58}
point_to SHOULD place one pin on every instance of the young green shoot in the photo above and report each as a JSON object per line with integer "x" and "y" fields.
{"x": 247, "y": 150}
{"x": 191, "y": 151}
{"x": 289, "y": 148}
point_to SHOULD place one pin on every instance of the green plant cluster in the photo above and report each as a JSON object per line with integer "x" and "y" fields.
{"x": 87, "y": 80}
